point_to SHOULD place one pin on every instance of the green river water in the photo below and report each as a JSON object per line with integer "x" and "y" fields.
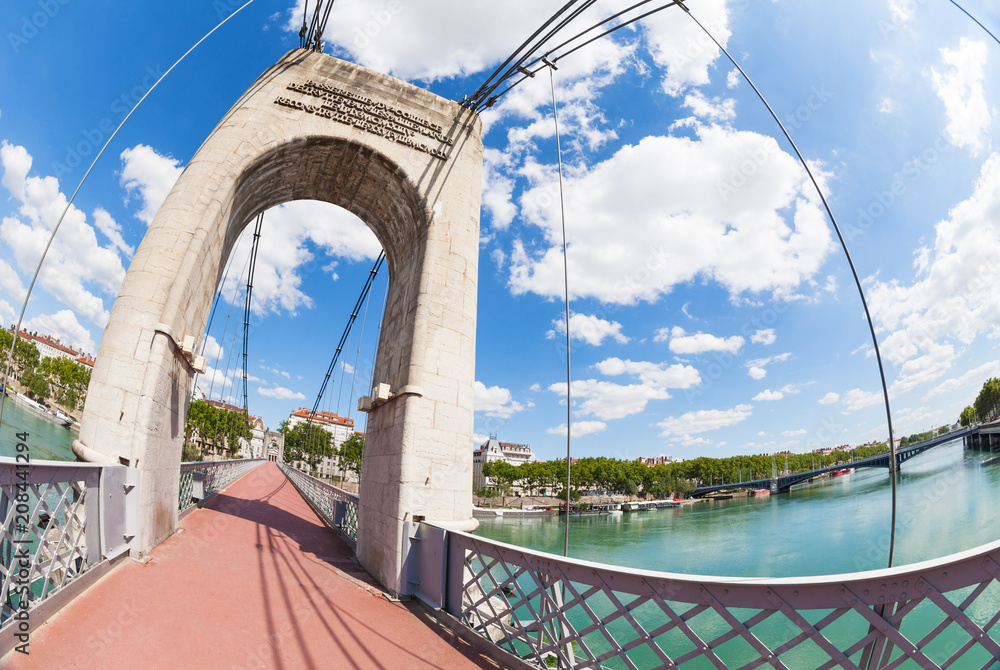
{"x": 46, "y": 440}
{"x": 945, "y": 504}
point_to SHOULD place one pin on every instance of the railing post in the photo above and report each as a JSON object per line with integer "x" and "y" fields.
{"x": 454, "y": 576}
{"x": 92, "y": 516}
{"x": 119, "y": 509}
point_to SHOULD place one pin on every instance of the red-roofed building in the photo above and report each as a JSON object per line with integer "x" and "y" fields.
{"x": 87, "y": 361}
{"x": 49, "y": 347}
{"x": 339, "y": 427}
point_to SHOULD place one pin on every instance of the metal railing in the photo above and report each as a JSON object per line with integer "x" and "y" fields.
{"x": 338, "y": 508}
{"x": 200, "y": 479}
{"x": 59, "y": 520}
{"x": 558, "y": 612}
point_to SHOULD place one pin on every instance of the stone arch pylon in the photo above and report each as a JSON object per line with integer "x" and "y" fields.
{"x": 409, "y": 164}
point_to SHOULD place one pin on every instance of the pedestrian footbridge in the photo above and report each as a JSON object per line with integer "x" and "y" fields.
{"x": 262, "y": 573}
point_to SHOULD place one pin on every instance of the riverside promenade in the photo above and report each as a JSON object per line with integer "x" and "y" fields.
{"x": 253, "y": 580}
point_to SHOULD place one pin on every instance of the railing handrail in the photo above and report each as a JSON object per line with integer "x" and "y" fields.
{"x": 537, "y": 604}
{"x": 847, "y": 578}
{"x": 328, "y": 485}
{"x": 338, "y": 508}
{"x": 36, "y": 463}
{"x": 194, "y": 465}
{"x": 200, "y": 480}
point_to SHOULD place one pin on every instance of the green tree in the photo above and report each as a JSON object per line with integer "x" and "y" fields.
{"x": 190, "y": 453}
{"x": 350, "y": 453}
{"x": 221, "y": 428}
{"x": 988, "y": 400}
{"x": 503, "y": 475}
{"x": 968, "y": 417}
{"x": 307, "y": 442}
{"x": 68, "y": 379}
{"x": 36, "y": 384}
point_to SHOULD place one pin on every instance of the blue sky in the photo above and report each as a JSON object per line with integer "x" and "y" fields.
{"x": 713, "y": 312}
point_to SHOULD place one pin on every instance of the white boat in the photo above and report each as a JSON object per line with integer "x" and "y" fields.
{"x": 38, "y": 409}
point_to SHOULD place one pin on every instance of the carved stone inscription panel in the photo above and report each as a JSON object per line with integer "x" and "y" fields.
{"x": 369, "y": 115}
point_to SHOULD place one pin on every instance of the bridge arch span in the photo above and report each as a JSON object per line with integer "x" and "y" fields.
{"x": 408, "y": 163}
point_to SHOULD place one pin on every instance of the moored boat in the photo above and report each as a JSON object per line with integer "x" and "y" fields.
{"x": 37, "y": 408}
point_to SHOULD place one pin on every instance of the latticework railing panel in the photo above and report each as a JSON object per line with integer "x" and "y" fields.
{"x": 338, "y": 508}
{"x": 937, "y": 614}
{"x": 49, "y": 535}
{"x": 210, "y": 476}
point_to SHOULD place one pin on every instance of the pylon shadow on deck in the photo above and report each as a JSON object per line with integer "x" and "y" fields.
{"x": 249, "y": 583}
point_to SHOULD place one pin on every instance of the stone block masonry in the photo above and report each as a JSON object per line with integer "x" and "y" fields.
{"x": 409, "y": 164}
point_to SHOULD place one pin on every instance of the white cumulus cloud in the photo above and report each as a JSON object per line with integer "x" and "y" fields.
{"x": 970, "y": 382}
{"x": 150, "y": 176}
{"x": 952, "y": 300}
{"x": 64, "y": 327}
{"x": 960, "y": 88}
{"x": 580, "y": 428}
{"x": 281, "y": 393}
{"x": 78, "y": 271}
{"x": 767, "y": 235}
{"x": 589, "y": 328}
{"x": 495, "y": 401}
{"x": 704, "y": 420}
{"x": 698, "y": 343}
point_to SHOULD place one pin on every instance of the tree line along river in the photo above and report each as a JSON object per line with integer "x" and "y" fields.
{"x": 831, "y": 526}
{"x": 945, "y": 498}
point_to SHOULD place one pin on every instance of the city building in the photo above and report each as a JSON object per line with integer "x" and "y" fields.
{"x": 494, "y": 450}
{"x": 252, "y": 449}
{"x": 339, "y": 427}
{"x": 657, "y": 460}
{"x": 275, "y": 451}
{"x": 49, "y": 347}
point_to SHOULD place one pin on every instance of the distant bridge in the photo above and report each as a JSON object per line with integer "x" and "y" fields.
{"x": 786, "y": 482}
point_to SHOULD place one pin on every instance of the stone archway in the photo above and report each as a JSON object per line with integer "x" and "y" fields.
{"x": 408, "y": 163}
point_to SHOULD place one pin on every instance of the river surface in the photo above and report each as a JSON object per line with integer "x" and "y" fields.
{"x": 946, "y": 503}
{"x": 46, "y": 441}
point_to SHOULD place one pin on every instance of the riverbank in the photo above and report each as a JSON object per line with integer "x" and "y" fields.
{"x": 831, "y": 526}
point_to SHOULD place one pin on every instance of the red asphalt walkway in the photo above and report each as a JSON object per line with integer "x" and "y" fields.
{"x": 255, "y": 580}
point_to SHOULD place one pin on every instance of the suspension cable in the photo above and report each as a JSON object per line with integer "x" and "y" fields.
{"x": 514, "y": 63}
{"x": 562, "y": 212}
{"x": 304, "y": 30}
{"x": 311, "y": 37}
{"x": 343, "y": 338}
{"x": 246, "y": 308}
{"x": 211, "y": 318}
{"x": 857, "y": 281}
{"x": 357, "y": 357}
{"x": 528, "y": 65}
{"x": 371, "y": 380}
{"x": 977, "y": 21}
{"x": 340, "y": 345}
{"x": 69, "y": 203}
{"x": 225, "y": 329}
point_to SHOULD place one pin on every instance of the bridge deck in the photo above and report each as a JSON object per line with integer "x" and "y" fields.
{"x": 254, "y": 581}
